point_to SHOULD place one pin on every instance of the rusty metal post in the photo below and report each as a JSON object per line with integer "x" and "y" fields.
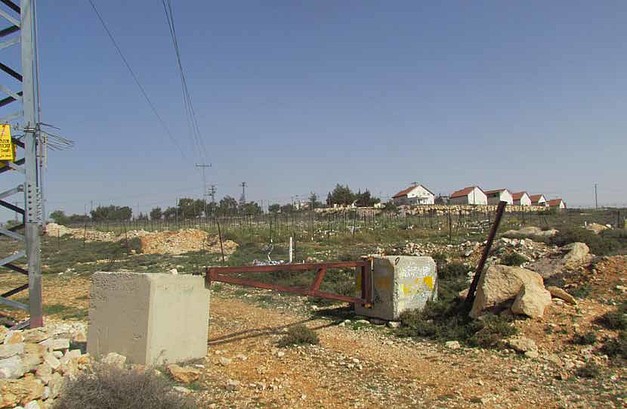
{"x": 470, "y": 298}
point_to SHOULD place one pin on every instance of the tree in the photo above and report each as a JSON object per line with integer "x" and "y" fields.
{"x": 228, "y": 206}
{"x": 59, "y": 217}
{"x": 314, "y": 203}
{"x": 365, "y": 199}
{"x": 191, "y": 208}
{"x": 142, "y": 216}
{"x": 111, "y": 213}
{"x": 170, "y": 213}
{"x": 288, "y": 208}
{"x": 156, "y": 214}
{"x": 341, "y": 195}
{"x": 274, "y": 208}
{"x": 250, "y": 208}
{"x": 78, "y": 219}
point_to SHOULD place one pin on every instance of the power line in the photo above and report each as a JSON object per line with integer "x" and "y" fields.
{"x": 136, "y": 79}
{"x": 187, "y": 99}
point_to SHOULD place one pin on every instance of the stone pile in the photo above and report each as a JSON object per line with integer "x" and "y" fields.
{"x": 183, "y": 241}
{"x": 164, "y": 242}
{"x": 35, "y": 363}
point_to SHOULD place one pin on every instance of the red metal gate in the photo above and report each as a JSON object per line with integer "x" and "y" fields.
{"x": 363, "y": 268}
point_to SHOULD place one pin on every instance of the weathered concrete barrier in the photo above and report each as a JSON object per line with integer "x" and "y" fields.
{"x": 400, "y": 283}
{"x": 149, "y": 318}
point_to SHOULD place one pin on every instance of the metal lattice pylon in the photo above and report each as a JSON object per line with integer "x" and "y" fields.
{"x": 21, "y": 178}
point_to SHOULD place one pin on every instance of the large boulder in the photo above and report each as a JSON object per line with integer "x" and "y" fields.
{"x": 531, "y": 301}
{"x": 578, "y": 255}
{"x": 499, "y": 285}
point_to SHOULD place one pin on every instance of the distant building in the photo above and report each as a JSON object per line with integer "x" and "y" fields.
{"x": 538, "y": 200}
{"x": 499, "y": 195}
{"x": 415, "y": 194}
{"x": 521, "y": 199}
{"x": 556, "y": 204}
{"x": 469, "y": 195}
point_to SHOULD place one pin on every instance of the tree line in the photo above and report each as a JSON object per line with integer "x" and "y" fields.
{"x": 188, "y": 208}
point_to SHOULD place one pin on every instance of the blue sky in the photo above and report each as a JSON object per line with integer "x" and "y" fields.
{"x": 295, "y": 96}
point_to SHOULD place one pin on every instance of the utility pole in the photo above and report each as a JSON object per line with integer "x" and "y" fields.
{"x": 242, "y": 199}
{"x": 212, "y": 193}
{"x": 23, "y": 89}
{"x": 204, "y": 183}
{"x": 596, "y": 198}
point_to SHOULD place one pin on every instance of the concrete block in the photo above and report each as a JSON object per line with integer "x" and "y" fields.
{"x": 149, "y": 318}
{"x": 400, "y": 283}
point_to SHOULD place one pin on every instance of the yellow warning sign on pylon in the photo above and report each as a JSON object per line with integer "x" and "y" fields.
{"x": 7, "y": 149}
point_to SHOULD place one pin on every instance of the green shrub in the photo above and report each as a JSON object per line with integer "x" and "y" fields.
{"x": 299, "y": 335}
{"x": 490, "y": 330}
{"x": 513, "y": 259}
{"x": 582, "y": 291}
{"x": 107, "y": 387}
{"x": 589, "y": 338}
{"x": 616, "y": 348}
{"x": 608, "y": 242}
{"x": 590, "y": 370}
{"x": 616, "y": 320}
{"x": 453, "y": 270}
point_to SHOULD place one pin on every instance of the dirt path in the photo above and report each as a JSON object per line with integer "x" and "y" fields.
{"x": 366, "y": 368}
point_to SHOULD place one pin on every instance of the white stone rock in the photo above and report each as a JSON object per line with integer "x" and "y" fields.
{"x": 52, "y": 360}
{"x": 32, "y": 405}
{"x": 578, "y": 255}
{"x": 500, "y": 284}
{"x": 55, "y": 344}
{"x": 114, "y": 359}
{"x": 9, "y": 350}
{"x": 11, "y": 368}
{"x": 232, "y": 385}
{"x": 532, "y": 301}
{"x": 224, "y": 361}
{"x": 71, "y": 354}
{"x": 452, "y": 344}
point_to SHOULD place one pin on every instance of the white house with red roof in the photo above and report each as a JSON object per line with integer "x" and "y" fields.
{"x": 469, "y": 195}
{"x": 415, "y": 194}
{"x": 538, "y": 200}
{"x": 556, "y": 204}
{"x": 499, "y": 195}
{"x": 522, "y": 199}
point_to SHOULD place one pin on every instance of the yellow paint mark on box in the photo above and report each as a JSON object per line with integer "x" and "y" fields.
{"x": 429, "y": 282}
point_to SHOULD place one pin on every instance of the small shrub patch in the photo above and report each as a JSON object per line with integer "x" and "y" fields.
{"x": 513, "y": 259}
{"x": 107, "y": 387}
{"x": 299, "y": 335}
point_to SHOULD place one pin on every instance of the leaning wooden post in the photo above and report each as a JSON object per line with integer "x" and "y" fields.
{"x": 470, "y": 298}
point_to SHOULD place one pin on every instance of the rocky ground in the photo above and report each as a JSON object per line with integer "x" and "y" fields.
{"x": 362, "y": 365}
{"x": 357, "y": 363}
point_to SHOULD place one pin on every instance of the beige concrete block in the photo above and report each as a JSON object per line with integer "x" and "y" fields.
{"x": 149, "y": 318}
{"x": 400, "y": 283}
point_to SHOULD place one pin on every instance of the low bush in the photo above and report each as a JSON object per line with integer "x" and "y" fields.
{"x": 447, "y": 317}
{"x": 589, "y": 338}
{"x": 590, "y": 370}
{"x": 513, "y": 259}
{"x": 606, "y": 243}
{"x": 616, "y": 320}
{"x": 616, "y": 348}
{"x": 490, "y": 330}
{"x": 299, "y": 335}
{"x": 107, "y": 387}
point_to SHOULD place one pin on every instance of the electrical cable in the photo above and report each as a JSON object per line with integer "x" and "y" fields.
{"x": 187, "y": 99}
{"x": 136, "y": 79}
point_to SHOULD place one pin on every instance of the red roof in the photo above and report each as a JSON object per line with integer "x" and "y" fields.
{"x": 463, "y": 192}
{"x": 554, "y": 202}
{"x": 535, "y": 198}
{"x": 518, "y": 195}
{"x": 403, "y": 192}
